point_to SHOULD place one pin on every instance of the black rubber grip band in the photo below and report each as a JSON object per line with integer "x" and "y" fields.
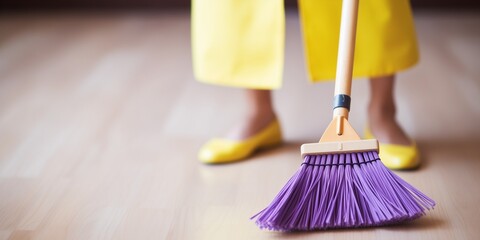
{"x": 341, "y": 100}
{"x": 339, "y": 164}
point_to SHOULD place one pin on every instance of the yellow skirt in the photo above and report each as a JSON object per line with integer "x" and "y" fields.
{"x": 241, "y": 42}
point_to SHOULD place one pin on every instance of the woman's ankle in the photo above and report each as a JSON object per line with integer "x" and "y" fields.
{"x": 251, "y": 124}
{"x": 385, "y": 127}
{"x": 259, "y": 115}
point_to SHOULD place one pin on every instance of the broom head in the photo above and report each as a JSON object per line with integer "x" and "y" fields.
{"x": 342, "y": 183}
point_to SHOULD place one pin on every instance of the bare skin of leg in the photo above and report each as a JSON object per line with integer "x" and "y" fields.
{"x": 382, "y": 110}
{"x": 258, "y": 115}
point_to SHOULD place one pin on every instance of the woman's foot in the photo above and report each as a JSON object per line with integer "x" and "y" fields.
{"x": 258, "y": 129}
{"x": 225, "y": 150}
{"x": 397, "y": 150}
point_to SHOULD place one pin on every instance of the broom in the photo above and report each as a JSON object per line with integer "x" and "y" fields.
{"x": 342, "y": 183}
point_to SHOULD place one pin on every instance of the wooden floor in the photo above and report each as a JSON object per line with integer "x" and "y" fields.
{"x": 101, "y": 119}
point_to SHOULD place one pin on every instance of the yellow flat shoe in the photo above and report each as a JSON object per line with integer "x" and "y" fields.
{"x": 219, "y": 150}
{"x": 395, "y": 156}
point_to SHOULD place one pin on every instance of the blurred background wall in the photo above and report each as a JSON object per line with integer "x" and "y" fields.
{"x": 119, "y": 4}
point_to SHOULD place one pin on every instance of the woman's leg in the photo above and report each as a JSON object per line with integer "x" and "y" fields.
{"x": 382, "y": 112}
{"x": 258, "y": 115}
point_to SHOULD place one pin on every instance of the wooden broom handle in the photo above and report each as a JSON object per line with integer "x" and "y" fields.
{"x": 346, "y": 49}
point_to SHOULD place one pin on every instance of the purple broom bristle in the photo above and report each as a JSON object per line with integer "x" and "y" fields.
{"x": 342, "y": 191}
